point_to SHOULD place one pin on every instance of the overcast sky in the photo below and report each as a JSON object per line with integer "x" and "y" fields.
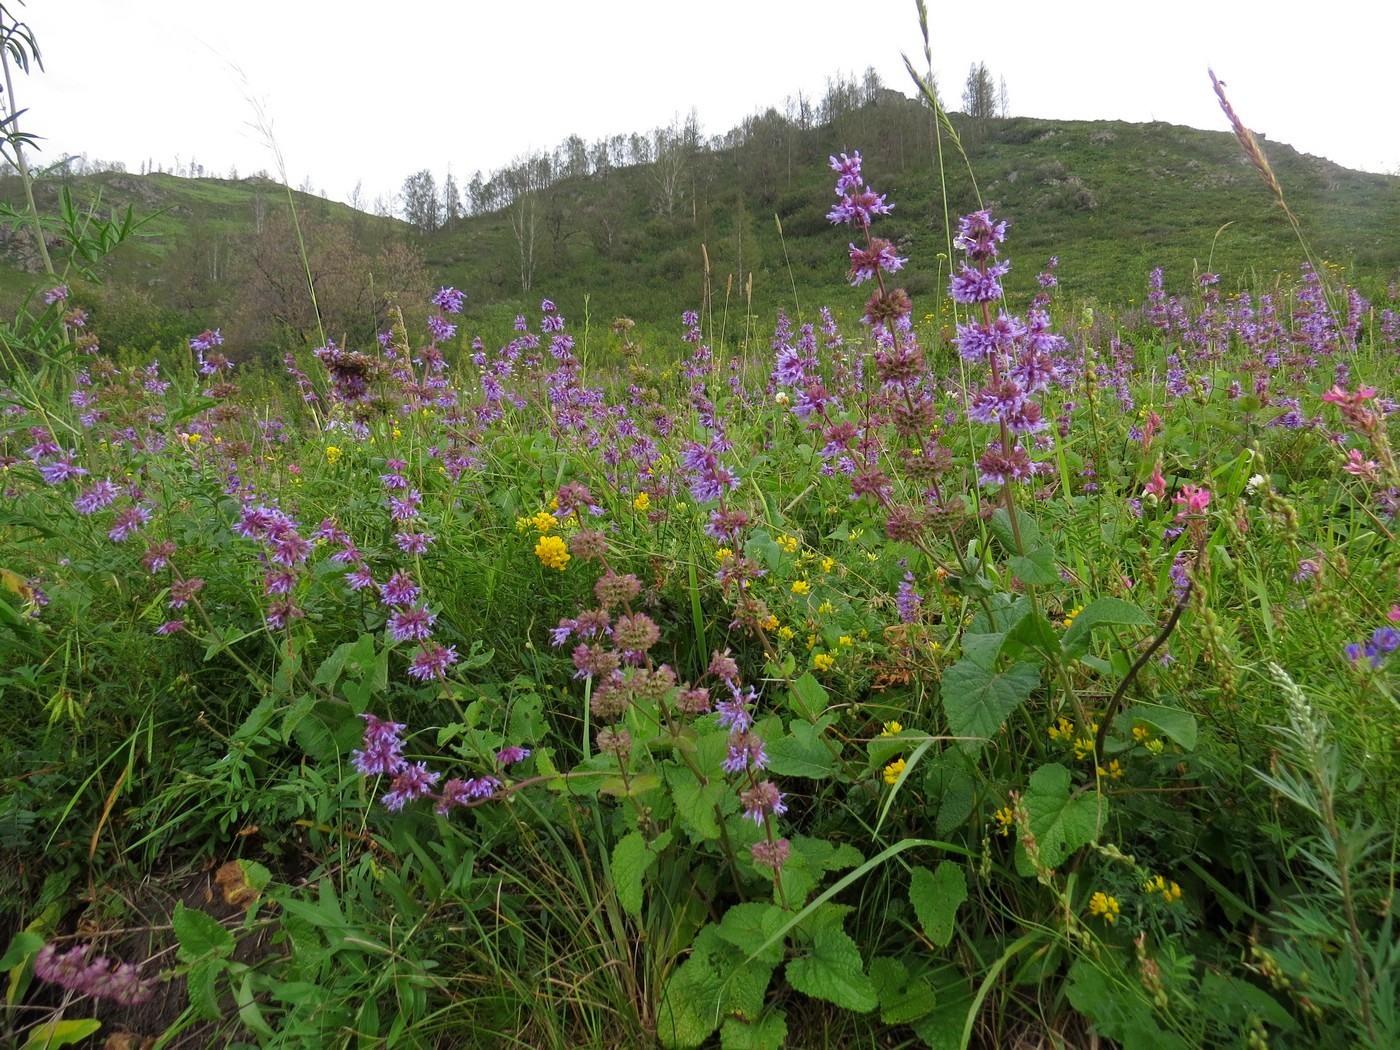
{"x": 376, "y": 92}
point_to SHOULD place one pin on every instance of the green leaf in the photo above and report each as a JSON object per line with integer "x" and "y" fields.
{"x": 1060, "y": 824}
{"x": 695, "y": 803}
{"x": 977, "y": 701}
{"x": 713, "y": 982}
{"x": 1036, "y": 567}
{"x": 1006, "y": 535}
{"x": 200, "y": 934}
{"x": 943, "y": 1028}
{"x": 1098, "y": 613}
{"x": 1171, "y": 721}
{"x": 901, "y": 1000}
{"x": 936, "y": 897}
{"x": 200, "y": 982}
{"x": 983, "y": 649}
{"x": 23, "y": 947}
{"x": 355, "y": 657}
{"x": 632, "y": 857}
{"x": 769, "y": 1032}
{"x": 832, "y": 971}
{"x": 807, "y": 697}
{"x": 60, "y": 1033}
{"x": 803, "y": 752}
{"x": 749, "y": 927}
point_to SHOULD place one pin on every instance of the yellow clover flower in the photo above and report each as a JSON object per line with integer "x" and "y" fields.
{"x": 893, "y": 770}
{"x": 552, "y": 552}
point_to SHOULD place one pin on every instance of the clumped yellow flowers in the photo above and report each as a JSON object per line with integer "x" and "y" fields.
{"x": 552, "y": 552}
{"x": 723, "y": 554}
{"x": 642, "y": 501}
{"x": 891, "y": 729}
{"x": 800, "y": 587}
{"x": 788, "y": 543}
{"x": 542, "y": 522}
{"x": 770, "y": 623}
{"x": 1170, "y": 891}
{"x": 1006, "y": 820}
{"x": 1105, "y": 907}
{"x": 823, "y": 661}
{"x": 333, "y": 455}
{"x": 1114, "y": 770}
{"x": 893, "y": 770}
{"x": 1069, "y": 616}
{"x": 1062, "y": 730}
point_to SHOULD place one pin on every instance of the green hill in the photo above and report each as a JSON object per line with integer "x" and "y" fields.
{"x": 1112, "y": 200}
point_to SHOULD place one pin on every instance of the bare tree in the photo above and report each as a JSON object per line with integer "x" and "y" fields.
{"x": 979, "y": 93}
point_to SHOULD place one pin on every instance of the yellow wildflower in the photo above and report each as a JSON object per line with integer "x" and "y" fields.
{"x": 845, "y": 639}
{"x": 1061, "y": 730}
{"x": 1069, "y": 616}
{"x": 397, "y": 432}
{"x": 642, "y": 501}
{"x": 786, "y": 633}
{"x": 828, "y": 564}
{"x": 1104, "y": 906}
{"x": 723, "y": 554}
{"x": 1006, "y": 819}
{"x": 1114, "y": 770}
{"x": 1083, "y": 747}
{"x": 893, "y": 770}
{"x": 1141, "y": 733}
{"x": 769, "y": 624}
{"x": 891, "y": 729}
{"x": 788, "y": 543}
{"x": 333, "y": 454}
{"x": 823, "y": 661}
{"x": 1170, "y": 891}
{"x": 552, "y": 552}
{"x": 544, "y": 522}
{"x": 800, "y": 587}
{"x": 825, "y": 609}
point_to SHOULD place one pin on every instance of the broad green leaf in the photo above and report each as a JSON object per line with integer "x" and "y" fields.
{"x": 695, "y": 803}
{"x": 943, "y": 1028}
{"x": 1006, "y": 535}
{"x": 1036, "y": 567}
{"x": 353, "y": 657}
{"x": 632, "y": 857}
{"x": 769, "y": 1032}
{"x": 983, "y": 649}
{"x": 977, "y": 701}
{"x": 714, "y": 982}
{"x": 1100, "y": 612}
{"x": 807, "y": 697}
{"x": 803, "y": 752}
{"x": 1118, "y": 1008}
{"x": 936, "y": 897}
{"x": 24, "y": 946}
{"x": 200, "y": 934}
{"x": 1172, "y": 721}
{"x": 1060, "y": 824}
{"x": 60, "y": 1033}
{"x": 748, "y": 927}
{"x": 832, "y": 971}
{"x": 204, "y": 998}
{"x": 901, "y": 1000}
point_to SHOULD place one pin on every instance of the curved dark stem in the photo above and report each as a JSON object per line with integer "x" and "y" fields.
{"x": 1112, "y": 709}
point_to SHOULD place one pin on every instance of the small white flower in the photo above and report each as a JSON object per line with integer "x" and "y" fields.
{"x": 1255, "y": 483}
{"x": 781, "y": 397}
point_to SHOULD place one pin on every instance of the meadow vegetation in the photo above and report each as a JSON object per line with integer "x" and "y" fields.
{"x": 986, "y": 666}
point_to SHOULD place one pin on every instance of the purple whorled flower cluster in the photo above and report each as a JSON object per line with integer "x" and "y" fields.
{"x": 858, "y": 206}
{"x": 382, "y": 754}
{"x": 284, "y": 556}
{"x": 1020, "y": 353}
{"x": 96, "y": 976}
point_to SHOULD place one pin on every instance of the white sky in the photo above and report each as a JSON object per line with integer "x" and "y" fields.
{"x": 376, "y": 92}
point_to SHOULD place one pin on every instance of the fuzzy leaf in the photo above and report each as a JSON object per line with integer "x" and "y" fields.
{"x": 200, "y": 934}
{"x": 1061, "y": 824}
{"x": 832, "y": 971}
{"x": 769, "y": 1032}
{"x": 632, "y": 857}
{"x": 803, "y": 752}
{"x": 977, "y": 701}
{"x": 695, "y": 803}
{"x": 1037, "y": 567}
{"x": 936, "y": 897}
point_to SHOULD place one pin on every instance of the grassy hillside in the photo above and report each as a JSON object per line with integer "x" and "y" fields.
{"x": 1111, "y": 199}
